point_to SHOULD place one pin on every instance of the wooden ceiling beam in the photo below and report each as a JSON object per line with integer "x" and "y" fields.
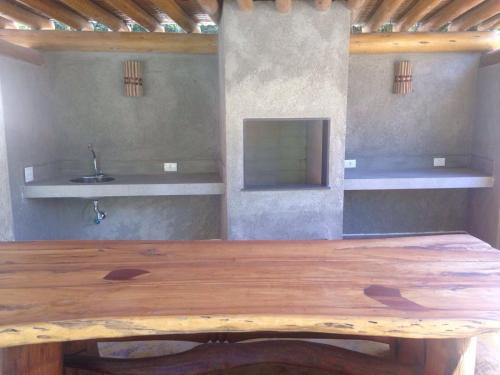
{"x": 448, "y": 13}
{"x": 212, "y": 8}
{"x": 15, "y": 13}
{"x": 59, "y": 13}
{"x": 246, "y": 5}
{"x": 135, "y": 12}
{"x": 364, "y": 43}
{"x": 385, "y": 11}
{"x": 7, "y": 24}
{"x": 177, "y": 14}
{"x": 490, "y": 24}
{"x": 423, "y": 42}
{"x": 356, "y": 7}
{"x": 416, "y": 14}
{"x": 283, "y": 6}
{"x": 21, "y": 53}
{"x": 477, "y": 15}
{"x": 113, "y": 41}
{"x": 323, "y": 5}
{"x": 93, "y": 11}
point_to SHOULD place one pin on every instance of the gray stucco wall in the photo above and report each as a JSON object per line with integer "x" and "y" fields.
{"x": 76, "y": 99}
{"x": 283, "y": 66}
{"x": 390, "y": 131}
{"x": 484, "y": 208}
{"x": 31, "y": 139}
{"x": 6, "y": 219}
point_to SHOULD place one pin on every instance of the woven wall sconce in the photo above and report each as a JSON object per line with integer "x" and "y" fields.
{"x": 132, "y": 78}
{"x": 402, "y": 78}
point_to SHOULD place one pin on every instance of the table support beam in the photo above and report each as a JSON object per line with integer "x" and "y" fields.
{"x": 38, "y": 359}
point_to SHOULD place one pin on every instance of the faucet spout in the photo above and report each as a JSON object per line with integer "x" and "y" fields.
{"x": 97, "y": 172}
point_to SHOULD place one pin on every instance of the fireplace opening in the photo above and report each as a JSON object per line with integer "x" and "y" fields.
{"x": 285, "y": 153}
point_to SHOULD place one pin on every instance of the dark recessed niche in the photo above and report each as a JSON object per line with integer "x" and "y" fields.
{"x": 285, "y": 153}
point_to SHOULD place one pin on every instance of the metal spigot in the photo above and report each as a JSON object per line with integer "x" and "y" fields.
{"x": 99, "y": 215}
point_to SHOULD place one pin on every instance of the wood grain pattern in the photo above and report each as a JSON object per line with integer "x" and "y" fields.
{"x": 113, "y": 41}
{"x": 450, "y": 357}
{"x": 448, "y": 13}
{"x": 15, "y": 13}
{"x": 218, "y": 357}
{"x": 175, "y": 12}
{"x": 383, "y": 14}
{"x": 476, "y": 16}
{"x": 416, "y": 14}
{"x": 137, "y": 13}
{"x": 207, "y": 44}
{"x": 21, "y": 53}
{"x": 60, "y": 13}
{"x": 40, "y": 359}
{"x": 93, "y": 11}
{"x": 57, "y": 291}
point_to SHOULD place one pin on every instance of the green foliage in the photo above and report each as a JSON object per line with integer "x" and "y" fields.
{"x": 209, "y": 29}
{"x": 61, "y": 26}
{"x": 99, "y": 27}
{"x": 136, "y": 28}
{"x": 172, "y": 28}
{"x": 386, "y": 28}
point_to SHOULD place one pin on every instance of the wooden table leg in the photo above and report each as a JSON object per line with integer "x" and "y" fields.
{"x": 39, "y": 359}
{"x": 450, "y": 356}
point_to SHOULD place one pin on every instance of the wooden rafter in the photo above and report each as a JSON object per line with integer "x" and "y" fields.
{"x": 477, "y": 15}
{"x": 386, "y": 10}
{"x": 323, "y": 5}
{"x": 93, "y": 11}
{"x": 490, "y": 24}
{"x": 211, "y": 7}
{"x": 416, "y": 14}
{"x": 246, "y": 5}
{"x": 450, "y": 12}
{"x": 356, "y": 7}
{"x": 20, "y": 53}
{"x": 135, "y": 12}
{"x": 365, "y": 43}
{"x": 424, "y": 42}
{"x": 113, "y": 41}
{"x": 283, "y": 6}
{"x": 175, "y": 12}
{"x": 59, "y": 13}
{"x": 15, "y": 13}
{"x": 7, "y": 24}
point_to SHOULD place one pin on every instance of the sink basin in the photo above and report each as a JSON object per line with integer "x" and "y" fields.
{"x": 92, "y": 179}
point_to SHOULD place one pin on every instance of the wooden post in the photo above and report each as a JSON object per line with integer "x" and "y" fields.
{"x": 450, "y": 356}
{"x": 39, "y": 359}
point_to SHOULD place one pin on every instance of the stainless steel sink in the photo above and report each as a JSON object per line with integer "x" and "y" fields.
{"x": 92, "y": 179}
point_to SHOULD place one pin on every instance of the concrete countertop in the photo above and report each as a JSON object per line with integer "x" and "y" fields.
{"x": 431, "y": 178}
{"x": 128, "y": 186}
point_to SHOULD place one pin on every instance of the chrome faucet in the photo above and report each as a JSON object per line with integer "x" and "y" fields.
{"x": 97, "y": 172}
{"x": 100, "y": 215}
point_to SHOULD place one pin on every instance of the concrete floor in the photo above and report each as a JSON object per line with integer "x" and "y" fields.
{"x": 488, "y": 354}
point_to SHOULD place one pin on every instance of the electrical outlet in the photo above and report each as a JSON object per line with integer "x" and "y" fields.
{"x": 350, "y": 163}
{"x": 28, "y": 174}
{"x": 169, "y": 167}
{"x": 439, "y": 162}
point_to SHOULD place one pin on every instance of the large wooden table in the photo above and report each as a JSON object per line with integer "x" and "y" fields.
{"x": 441, "y": 290}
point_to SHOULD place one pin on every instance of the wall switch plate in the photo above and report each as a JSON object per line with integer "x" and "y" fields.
{"x": 169, "y": 167}
{"x": 439, "y": 162}
{"x": 28, "y": 174}
{"x": 350, "y": 163}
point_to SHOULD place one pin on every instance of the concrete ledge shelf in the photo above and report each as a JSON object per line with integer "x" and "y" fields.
{"x": 432, "y": 178}
{"x": 128, "y": 186}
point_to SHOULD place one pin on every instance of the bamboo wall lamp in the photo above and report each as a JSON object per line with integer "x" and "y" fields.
{"x": 402, "y": 78}
{"x": 132, "y": 78}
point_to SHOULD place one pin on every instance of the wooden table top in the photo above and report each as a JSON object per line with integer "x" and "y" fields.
{"x": 420, "y": 287}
